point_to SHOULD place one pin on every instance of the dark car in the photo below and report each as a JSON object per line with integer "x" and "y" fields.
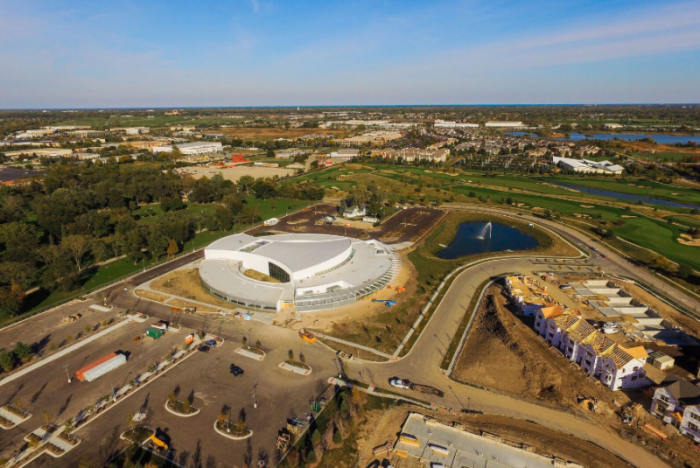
{"x": 210, "y": 343}
{"x": 236, "y": 371}
{"x": 204, "y": 348}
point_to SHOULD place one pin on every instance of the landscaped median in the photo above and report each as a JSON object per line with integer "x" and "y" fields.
{"x": 251, "y": 352}
{"x": 181, "y": 408}
{"x": 236, "y": 431}
{"x": 11, "y": 416}
{"x": 297, "y": 366}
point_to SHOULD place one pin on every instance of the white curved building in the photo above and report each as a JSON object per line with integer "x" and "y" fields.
{"x": 315, "y": 271}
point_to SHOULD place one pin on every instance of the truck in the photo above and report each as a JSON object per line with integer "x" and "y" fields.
{"x": 100, "y": 367}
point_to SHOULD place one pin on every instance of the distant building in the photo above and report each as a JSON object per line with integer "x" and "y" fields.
{"x": 504, "y": 124}
{"x": 289, "y": 153}
{"x": 448, "y": 124}
{"x": 417, "y": 154}
{"x": 587, "y": 166}
{"x": 344, "y": 154}
{"x": 354, "y": 212}
{"x": 190, "y": 149}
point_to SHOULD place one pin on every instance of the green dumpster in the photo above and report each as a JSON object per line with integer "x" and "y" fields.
{"x": 154, "y": 333}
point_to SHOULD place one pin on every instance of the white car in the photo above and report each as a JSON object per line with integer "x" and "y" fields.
{"x": 400, "y": 383}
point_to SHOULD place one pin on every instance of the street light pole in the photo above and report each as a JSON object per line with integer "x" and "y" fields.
{"x": 67, "y": 374}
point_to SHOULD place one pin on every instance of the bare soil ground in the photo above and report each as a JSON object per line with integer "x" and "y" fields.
{"x": 235, "y": 173}
{"x": 187, "y": 284}
{"x": 504, "y": 354}
{"x": 545, "y": 441}
{"x": 367, "y": 322}
{"x": 153, "y": 296}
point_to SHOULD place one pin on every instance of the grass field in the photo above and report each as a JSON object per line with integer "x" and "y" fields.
{"x": 158, "y": 120}
{"x": 653, "y": 234}
{"x": 661, "y": 156}
{"x": 636, "y": 187}
{"x": 686, "y": 221}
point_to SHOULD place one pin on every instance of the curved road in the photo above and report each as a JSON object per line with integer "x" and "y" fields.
{"x": 422, "y": 363}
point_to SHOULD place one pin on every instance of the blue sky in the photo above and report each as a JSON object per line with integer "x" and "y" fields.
{"x": 154, "y": 53}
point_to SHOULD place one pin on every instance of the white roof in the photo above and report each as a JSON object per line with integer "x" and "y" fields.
{"x": 295, "y": 251}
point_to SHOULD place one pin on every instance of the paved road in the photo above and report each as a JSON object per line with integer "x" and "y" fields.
{"x": 422, "y": 363}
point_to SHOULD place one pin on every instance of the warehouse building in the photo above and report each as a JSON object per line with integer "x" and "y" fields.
{"x": 191, "y": 149}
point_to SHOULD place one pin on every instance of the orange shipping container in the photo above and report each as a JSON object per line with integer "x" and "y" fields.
{"x": 80, "y": 373}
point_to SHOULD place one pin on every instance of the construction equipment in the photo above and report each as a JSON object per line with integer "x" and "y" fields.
{"x": 307, "y": 336}
{"x": 388, "y": 303}
{"x": 190, "y": 310}
{"x": 158, "y": 442}
{"x": 72, "y": 318}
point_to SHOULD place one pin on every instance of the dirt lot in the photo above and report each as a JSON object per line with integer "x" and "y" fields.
{"x": 186, "y": 283}
{"x": 504, "y": 354}
{"x": 388, "y": 325}
{"x": 545, "y": 441}
{"x": 235, "y": 173}
{"x": 407, "y": 225}
{"x": 274, "y": 133}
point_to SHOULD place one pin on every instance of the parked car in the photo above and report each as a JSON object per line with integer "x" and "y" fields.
{"x": 400, "y": 383}
{"x": 210, "y": 343}
{"x": 236, "y": 371}
{"x": 565, "y": 286}
{"x": 204, "y": 348}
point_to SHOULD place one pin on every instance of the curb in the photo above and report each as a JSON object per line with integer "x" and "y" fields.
{"x": 250, "y": 354}
{"x": 295, "y": 369}
{"x": 229, "y": 436}
{"x": 180, "y": 414}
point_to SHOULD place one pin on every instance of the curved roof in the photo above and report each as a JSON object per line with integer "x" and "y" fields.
{"x": 295, "y": 251}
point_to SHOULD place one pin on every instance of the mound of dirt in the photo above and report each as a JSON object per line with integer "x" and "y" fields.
{"x": 504, "y": 354}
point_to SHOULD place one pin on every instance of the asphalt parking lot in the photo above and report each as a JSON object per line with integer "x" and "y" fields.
{"x": 47, "y": 388}
{"x": 279, "y": 394}
{"x": 407, "y": 225}
{"x": 49, "y": 329}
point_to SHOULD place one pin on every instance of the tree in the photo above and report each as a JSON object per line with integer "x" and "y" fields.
{"x": 172, "y": 248}
{"x": 77, "y": 246}
{"x": 684, "y": 271}
{"x": 246, "y": 183}
{"x": 7, "y": 360}
{"x": 22, "y": 351}
{"x": 11, "y": 299}
{"x": 316, "y": 436}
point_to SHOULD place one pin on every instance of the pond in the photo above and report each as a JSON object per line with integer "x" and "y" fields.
{"x": 480, "y": 237}
{"x": 658, "y": 137}
{"x": 628, "y": 196}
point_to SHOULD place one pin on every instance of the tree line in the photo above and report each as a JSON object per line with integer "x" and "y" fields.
{"x": 53, "y": 233}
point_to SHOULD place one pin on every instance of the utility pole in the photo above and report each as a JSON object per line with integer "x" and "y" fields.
{"x": 67, "y": 374}
{"x": 255, "y": 401}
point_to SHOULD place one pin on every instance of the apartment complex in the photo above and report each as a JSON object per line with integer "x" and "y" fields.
{"x": 677, "y": 402}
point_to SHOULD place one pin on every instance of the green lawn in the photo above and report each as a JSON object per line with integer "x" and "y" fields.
{"x": 686, "y": 221}
{"x": 158, "y": 120}
{"x": 636, "y": 187}
{"x": 661, "y": 156}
